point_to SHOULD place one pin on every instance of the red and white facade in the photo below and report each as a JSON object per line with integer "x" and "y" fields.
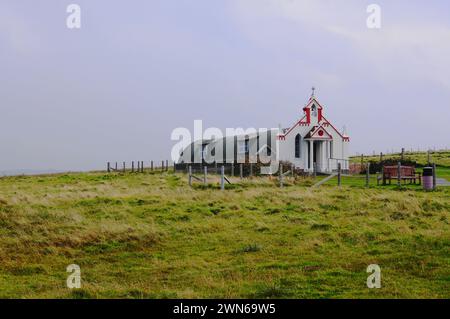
{"x": 313, "y": 140}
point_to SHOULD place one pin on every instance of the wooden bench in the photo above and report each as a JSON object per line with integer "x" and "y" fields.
{"x": 407, "y": 173}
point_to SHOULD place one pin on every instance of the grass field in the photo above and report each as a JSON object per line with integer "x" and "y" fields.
{"x": 152, "y": 236}
{"x": 441, "y": 158}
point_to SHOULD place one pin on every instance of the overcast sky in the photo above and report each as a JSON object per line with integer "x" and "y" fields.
{"x": 73, "y": 99}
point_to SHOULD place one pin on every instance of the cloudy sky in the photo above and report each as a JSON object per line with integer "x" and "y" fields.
{"x": 73, "y": 99}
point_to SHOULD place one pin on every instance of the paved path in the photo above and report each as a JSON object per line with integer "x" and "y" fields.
{"x": 442, "y": 182}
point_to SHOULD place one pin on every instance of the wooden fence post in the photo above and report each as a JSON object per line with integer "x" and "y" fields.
{"x": 280, "y": 176}
{"x": 434, "y": 176}
{"x": 142, "y": 166}
{"x": 403, "y": 153}
{"x": 381, "y": 156}
{"x": 205, "y": 174}
{"x": 367, "y": 174}
{"x": 190, "y": 175}
{"x": 108, "y": 169}
{"x": 399, "y": 173}
{"x": 162, "y": 166}
{"x": 167, "y": 165}
{"x": 138, "y": 169}
{"x": 222, "y": 177}
{"x": 339, "y": 174}
{"x": 116, "y": 166}
{"x": 132, "y": 166}
{"x": 124, "y": 167}
{"x": 241, "y": 170}
{"x": 151, "y": 166}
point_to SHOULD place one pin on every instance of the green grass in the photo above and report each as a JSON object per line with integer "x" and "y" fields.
{"x": 440, "y": 158}
{"x": 152, "y": 236}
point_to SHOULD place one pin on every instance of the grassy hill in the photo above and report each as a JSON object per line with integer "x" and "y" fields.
{"x": 152, "y": 236}
{"x": 440, "y": 158}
